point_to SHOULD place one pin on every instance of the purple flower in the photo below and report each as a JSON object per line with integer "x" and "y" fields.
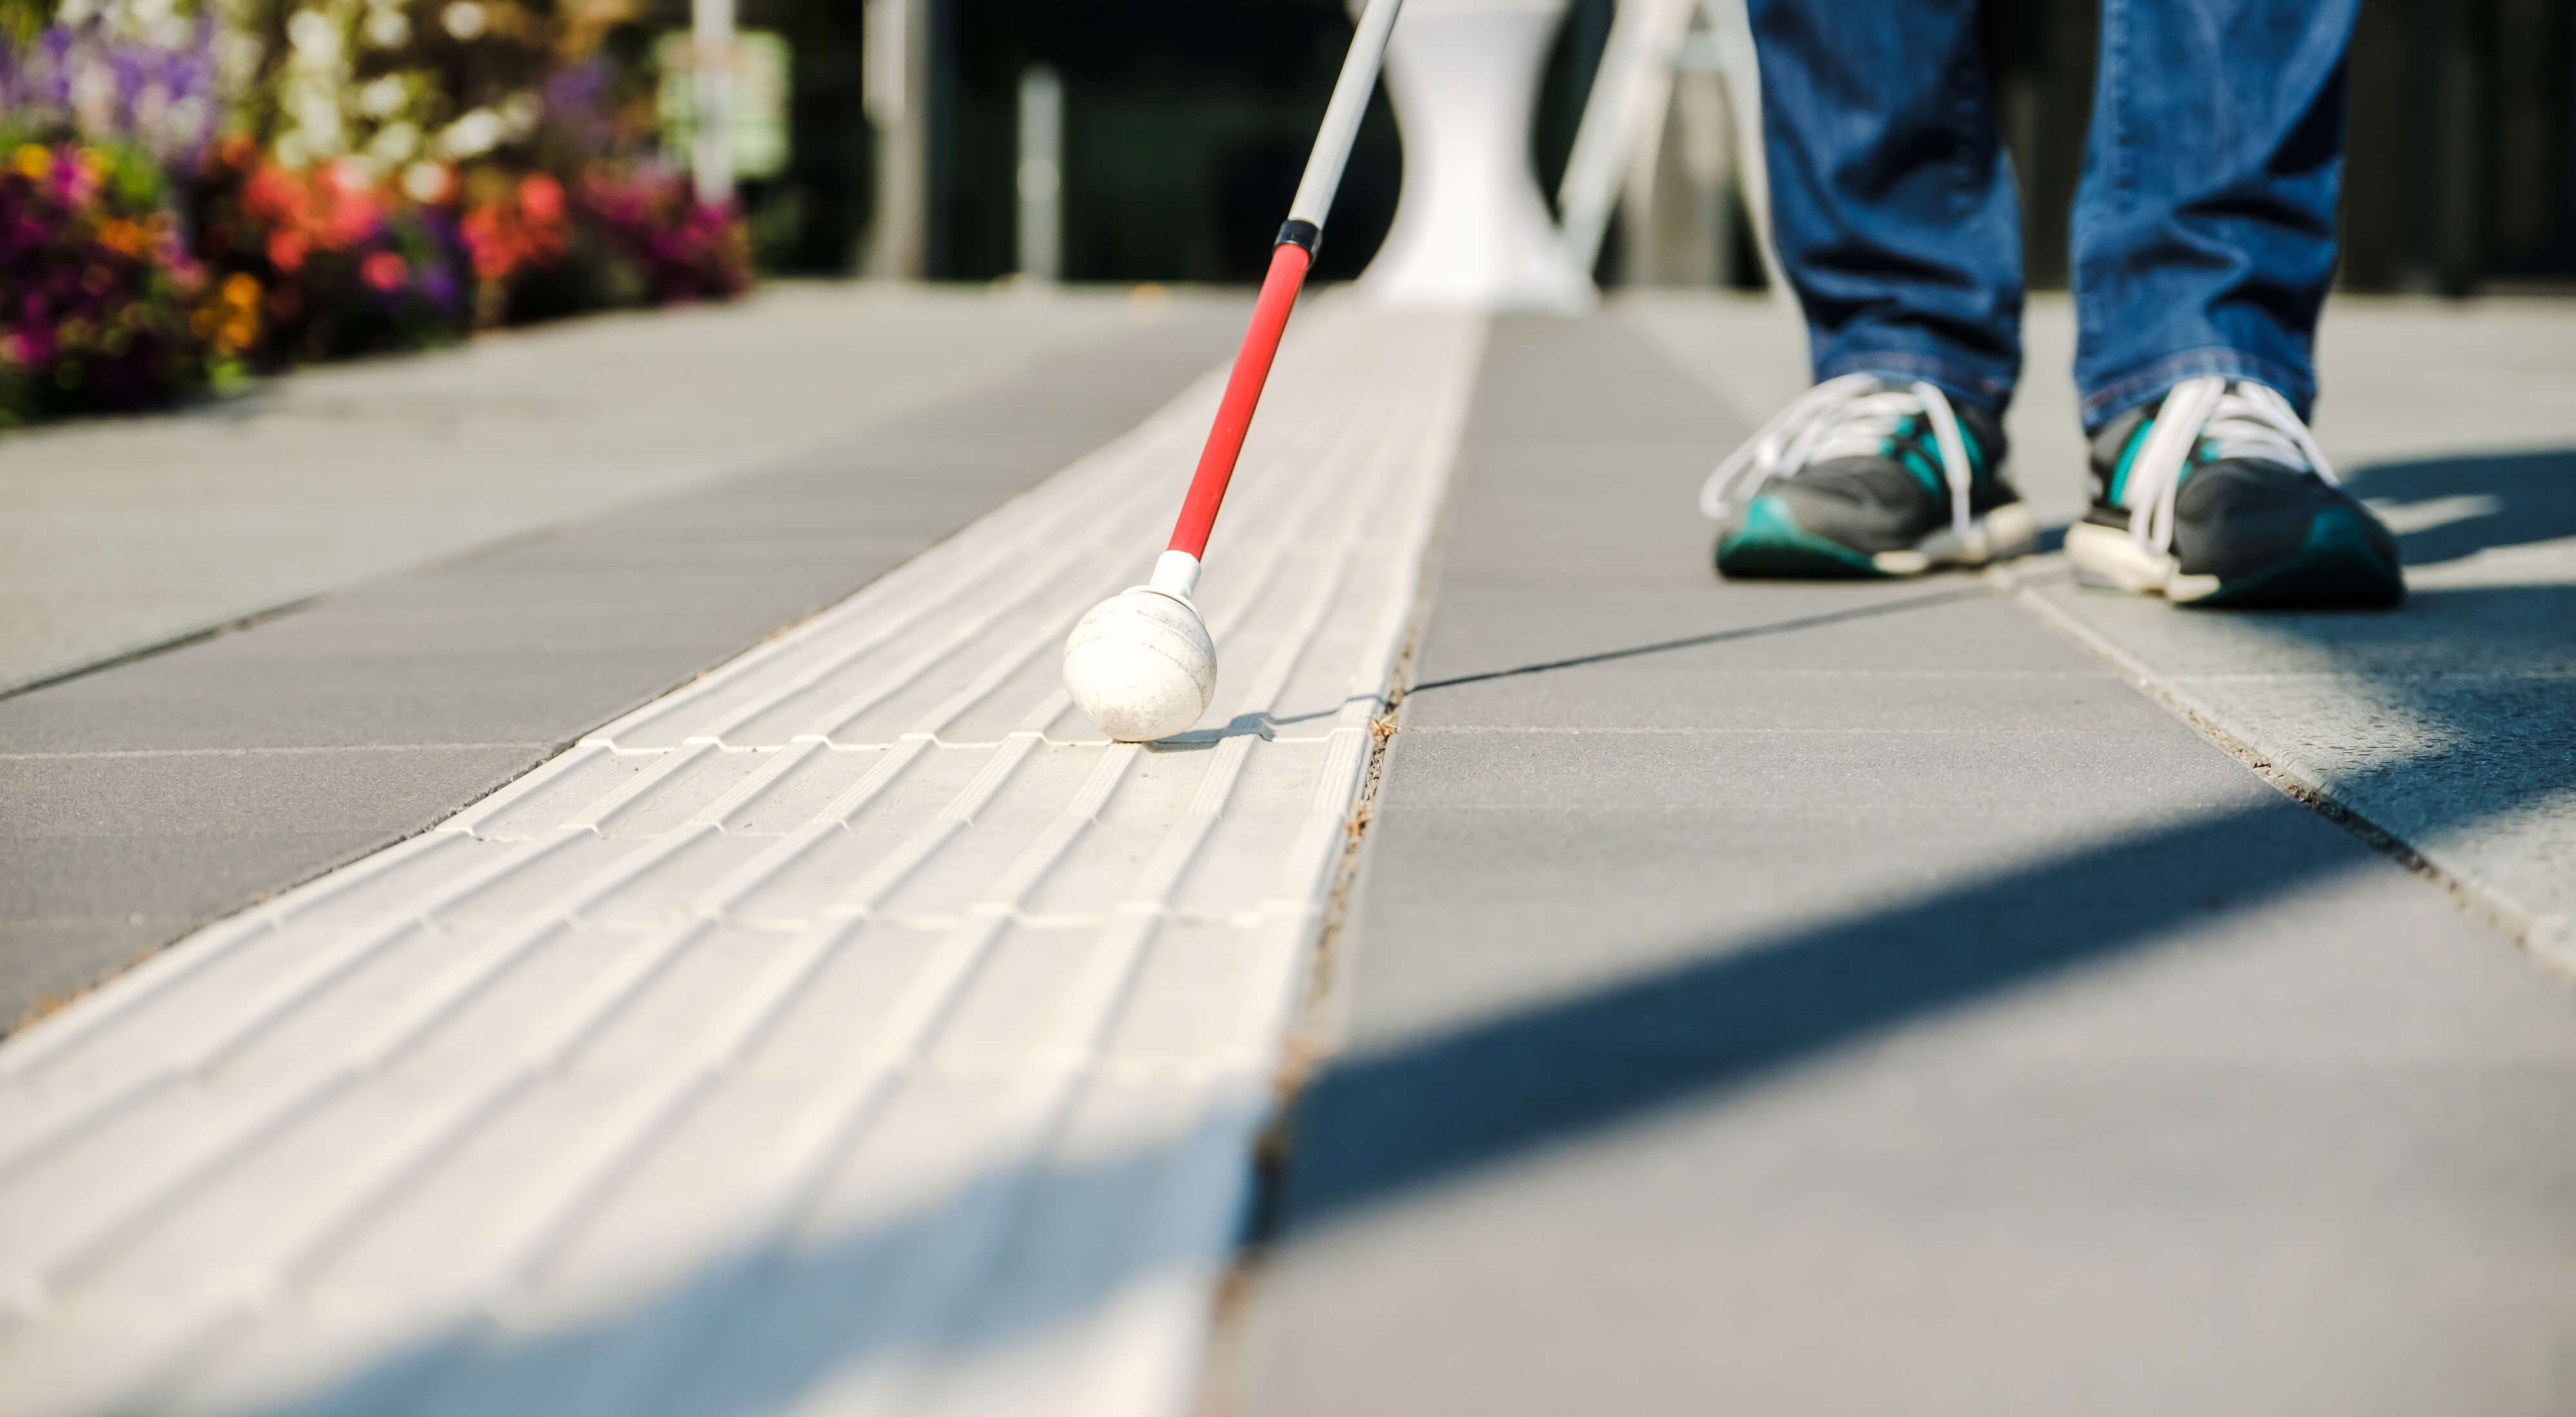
{"x": 438, "y": 285}
{"x": 108, "y": 88}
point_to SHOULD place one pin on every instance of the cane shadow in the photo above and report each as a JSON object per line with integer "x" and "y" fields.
{"x": 1204, "y": 738}
{"x": 1792, "y": 625}
{"x": 1200, "y": 740}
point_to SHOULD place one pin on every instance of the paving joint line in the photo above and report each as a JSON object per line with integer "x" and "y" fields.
{"x": 2516, "y": 924}
{"x": 163, "y": 645}
{"x": 274, "y": 750}
{"x": 1302, "y": 1047}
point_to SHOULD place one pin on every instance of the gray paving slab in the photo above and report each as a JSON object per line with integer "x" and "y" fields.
{"x": 110, "y": 853}
{"x": 2448, "y": 724}
{"x": 328, "y": 732}
{"x": 1822, "y": 998}
{"x": 2451, "y": 722}
{"x": 850, "y": 1029}
{"x": 124, "y": 533}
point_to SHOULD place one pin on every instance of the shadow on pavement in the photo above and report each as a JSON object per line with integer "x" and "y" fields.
{"x": 2450, "y": 721}
{"x": 764, "y": 1328}
{"x": 756, "y": 1330}
{"x": 2510, "y": 499}
{"x": 1375, "y": 1125}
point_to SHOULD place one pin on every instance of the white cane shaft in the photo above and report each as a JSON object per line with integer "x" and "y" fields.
{"x": 1342, "y": 116}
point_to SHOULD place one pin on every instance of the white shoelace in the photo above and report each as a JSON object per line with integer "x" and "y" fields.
{"x": 1848, "y": 416}
{"x": 2219, "y": 420}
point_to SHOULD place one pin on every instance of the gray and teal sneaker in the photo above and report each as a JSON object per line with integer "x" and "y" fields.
{"x": 2216, "y": 495}
{"x": 1862, "y": 476}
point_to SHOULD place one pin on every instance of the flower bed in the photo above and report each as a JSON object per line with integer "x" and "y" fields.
{"x": 343, "y": 265}
{"x": 101, "y": 305}
{"x": 382, "y": 188}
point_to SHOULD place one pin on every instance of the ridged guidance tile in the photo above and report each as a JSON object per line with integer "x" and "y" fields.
{"x": 850, "y": 1030}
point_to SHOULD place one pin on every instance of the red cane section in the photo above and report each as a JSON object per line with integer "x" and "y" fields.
{"x": 1242, "y": 395}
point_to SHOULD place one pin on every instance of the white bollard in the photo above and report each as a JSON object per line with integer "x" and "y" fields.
{"x": 1471, "y": 228}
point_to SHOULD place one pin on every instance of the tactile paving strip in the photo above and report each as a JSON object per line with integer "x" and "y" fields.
{"x": 850, "y": 1030}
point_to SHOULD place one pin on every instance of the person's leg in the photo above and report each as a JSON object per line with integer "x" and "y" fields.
{"x": 1892, "y": 204}
{"x": 1894, "y": 214}
{"x": 2204, "y": 226}
{"x": 2204, "y": 241}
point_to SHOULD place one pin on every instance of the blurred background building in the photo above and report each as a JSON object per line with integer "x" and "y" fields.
{"x": 1085, "y": 140}
{"x": 1183, "y": 121}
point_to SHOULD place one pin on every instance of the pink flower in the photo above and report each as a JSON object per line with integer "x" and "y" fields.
{"x": 77, "y": 174}
{"x": 385, "y": 271}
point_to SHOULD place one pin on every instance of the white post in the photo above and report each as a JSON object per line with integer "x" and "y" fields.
{"x": 1732, "y": 26}
{"x": 897, "y": 68}
{"x": 1471, "y": 228}
{"x": 711, "y": 48}
{"x": 1629, "y": 95}
{"x": 1673, "y": 204}
{"x": 1041, "y": 174}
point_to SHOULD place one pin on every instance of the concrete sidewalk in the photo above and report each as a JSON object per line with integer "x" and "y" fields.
{"x": 849, "y": 1029}
{"x": 2445, "y": 726}
{"x": 1834, "y": 998}
{"x": 1806, "y": 998}
{"x": 604, "y": 510}
{"x": 120, "y": 534}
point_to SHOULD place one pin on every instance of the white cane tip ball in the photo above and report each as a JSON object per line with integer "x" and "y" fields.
{"x": 1141, "y": 666}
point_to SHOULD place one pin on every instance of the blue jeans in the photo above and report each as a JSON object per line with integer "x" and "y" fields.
{"x": 2204, "y": 225}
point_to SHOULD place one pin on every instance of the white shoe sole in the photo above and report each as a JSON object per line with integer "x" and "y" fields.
{"x": 2004, "y": 532}
{"x": 2113, "y": 559}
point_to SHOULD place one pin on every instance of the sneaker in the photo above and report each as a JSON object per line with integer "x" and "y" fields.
{"x": 2217, "y": 495}
{"x": 1865, "y": 477}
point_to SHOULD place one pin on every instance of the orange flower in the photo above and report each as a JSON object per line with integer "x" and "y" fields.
{"x": 385, "y": 271}
{"x": 286, "y": 250}
{"x": 542, "y": 198}
{"x": 123, "y": 237}
{"x": 273, "y": 195}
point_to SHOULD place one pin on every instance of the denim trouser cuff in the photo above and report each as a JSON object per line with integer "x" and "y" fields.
{"x": 2148, "y": 382}
{"x": 1963, "y": 383}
